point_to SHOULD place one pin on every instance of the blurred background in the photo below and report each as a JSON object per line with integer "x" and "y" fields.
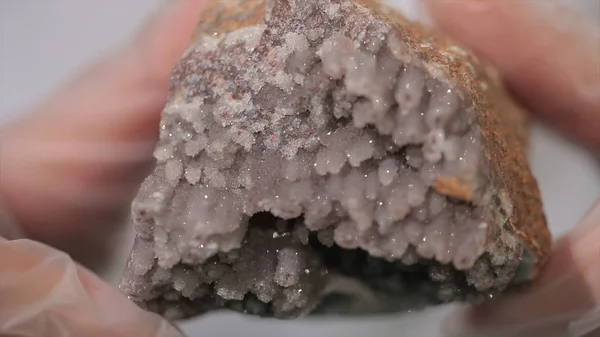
{"x": 44, "y": 42}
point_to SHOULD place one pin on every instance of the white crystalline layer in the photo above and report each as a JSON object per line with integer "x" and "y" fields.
{"x": 362, "y": 150}
{"x": 328, "y": 161}
{"x": 174, "y": 170}
{"x": 334, "y": 54}
{"x": 409, "y": 90}
{"x": 342, "y": 136}
{"x": 249, "y": 36}
{"x": 288, "y": 269}
{"x": 388, "y": 169}
{"x": 444, "y": 103}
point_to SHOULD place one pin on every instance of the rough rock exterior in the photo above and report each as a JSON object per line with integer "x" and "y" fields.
{"x": 327, "y": 156}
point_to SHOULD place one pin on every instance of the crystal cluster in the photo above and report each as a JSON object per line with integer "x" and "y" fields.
{"x": 296, "y": 173}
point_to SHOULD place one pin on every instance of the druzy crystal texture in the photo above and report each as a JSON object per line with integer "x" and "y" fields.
{"x": 326, "y": 156}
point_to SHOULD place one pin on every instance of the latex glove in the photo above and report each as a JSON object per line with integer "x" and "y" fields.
{"x": 44, "y": 293}
{"x": 550, "y": 58}
{"x": 67, "y": 174}
{"x": 71, "y": 167}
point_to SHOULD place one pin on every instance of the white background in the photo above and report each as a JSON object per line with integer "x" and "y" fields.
{"x": 43, "y": 42}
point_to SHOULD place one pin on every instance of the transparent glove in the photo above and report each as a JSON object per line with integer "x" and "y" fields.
{"x": 44, "y": 293}
{"x": 550, "y": 59}
{"x": 68, "y": 171}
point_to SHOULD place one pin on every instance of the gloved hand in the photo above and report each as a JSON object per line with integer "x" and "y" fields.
{"x": 67, "y": 174}
{"x": 550, "y": 58}
{"x": 44, "y": 293}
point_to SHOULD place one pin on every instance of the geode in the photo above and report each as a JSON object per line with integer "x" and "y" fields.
{"x": 330, "y": 157}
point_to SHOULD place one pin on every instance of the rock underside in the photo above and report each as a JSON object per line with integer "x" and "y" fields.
{"x": 297, "y": 170}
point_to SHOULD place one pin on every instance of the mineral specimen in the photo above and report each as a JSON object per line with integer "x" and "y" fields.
{"x": 327, "y": 156}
